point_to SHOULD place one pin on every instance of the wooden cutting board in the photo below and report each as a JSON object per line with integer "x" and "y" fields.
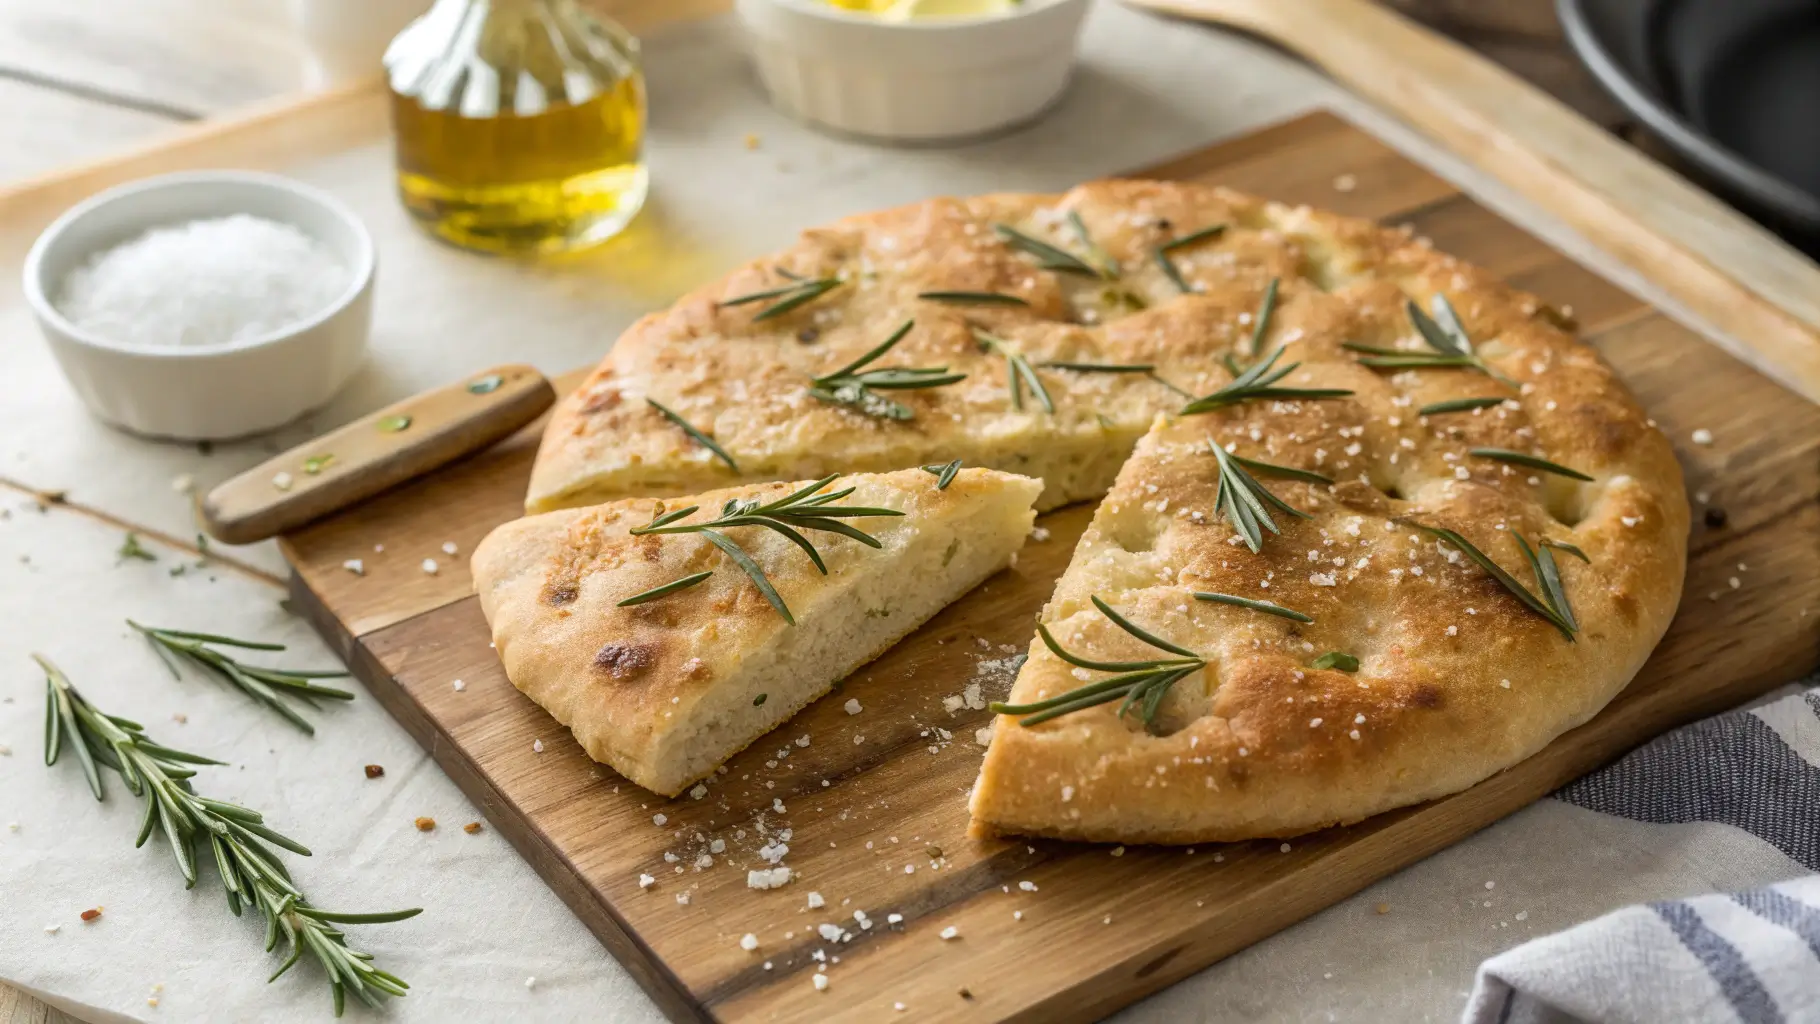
{"x": 875, "y": 803}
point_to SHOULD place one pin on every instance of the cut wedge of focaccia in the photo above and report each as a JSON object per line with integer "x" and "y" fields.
{"x": 1261, "y": 683}
{"x": 667, "y": 689}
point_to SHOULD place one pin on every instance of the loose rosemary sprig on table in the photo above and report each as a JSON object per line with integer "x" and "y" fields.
{"x": 856, "y": 387}
{"x": 1259, "y": 381}
{"x": 802, "y": 509}
{"x": 1018, "y": 372}
{"x": 800, "y": 291}
{"x": 1447, "y": 340}
{"x": 1551, "y": 604}
{"x": 1049, "y": 257}
{"x": 250, "y": 871}
{"x": 944, "y": 474}
{"x": 695, "y": 435}
{"x": 1160, "y": 254}
{"x": 1529, "y": 461}
{"x": 262, "y": 684}
{"x": 1142, "y": 684}
{"x": 1245, "y": 503}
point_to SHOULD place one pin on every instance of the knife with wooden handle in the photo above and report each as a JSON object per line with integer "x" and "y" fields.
{"x": 1759, "y": 292}
{"x": 379, "y": 451}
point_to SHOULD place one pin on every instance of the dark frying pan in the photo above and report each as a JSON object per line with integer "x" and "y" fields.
{"x": 1733, "y": 86}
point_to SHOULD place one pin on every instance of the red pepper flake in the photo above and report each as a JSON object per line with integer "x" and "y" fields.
{"x": 91, "y": 914}
{"x": 374, "y": 771}
{"x": 471, "y": 828}
{"x": 425, "y": 824}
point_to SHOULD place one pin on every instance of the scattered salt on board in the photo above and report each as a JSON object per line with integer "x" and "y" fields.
{"x": 202, "y": 283}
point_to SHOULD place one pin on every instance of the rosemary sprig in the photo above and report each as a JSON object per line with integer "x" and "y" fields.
{"x": 1049, "y": 257}
{"x": 1258, "y": 381}
{"x": 1551, "y": 605}
{"x": 1447, "y": 340}
{"x": 855, "y": 386}
{"x": 1460, "y": 405}
{"x": 1244, "y": 502}
{"x": 1018, "y": 372}
{"x": 798, "y": 292}
{"x": 1101, "y": 367}
{"x": 262, "y": 684}
{"x": 1530, "y": 461}
{"x": 131, "y": 548}
{"x": 1260, "y": 324}
{"x": 236, "y": 838}
{"x": 1337, "y": 659}
{"x": 668, "y": 588}
{"x": 944, "y": 475}
{"x": 697, "y": 436}
{"x": 974, "y": 298}
{"x": 802, "y": 509}
{"x": 1160, "y": 254}
{"x": 1142, "y": 684}
{"x": 1266, "y": 607}
{"x": 1102, "y": 260}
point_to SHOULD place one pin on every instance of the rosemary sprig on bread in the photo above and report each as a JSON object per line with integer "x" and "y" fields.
{"x": 857, "y": 387}
{"x": 1142, "y": 684}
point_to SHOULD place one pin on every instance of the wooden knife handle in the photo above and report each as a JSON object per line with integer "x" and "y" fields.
{"x": 1759, "y": 293}
{"x": 371, "y": 454}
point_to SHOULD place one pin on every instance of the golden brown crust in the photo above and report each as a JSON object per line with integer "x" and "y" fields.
{"x": 1457, "y": 680}
{"x": 642, "y": 686}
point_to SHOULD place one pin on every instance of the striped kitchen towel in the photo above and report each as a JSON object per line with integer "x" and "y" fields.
{"x": 1751, "y": 956}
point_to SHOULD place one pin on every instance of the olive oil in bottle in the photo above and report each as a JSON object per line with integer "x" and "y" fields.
{"x": 519, "y": 125}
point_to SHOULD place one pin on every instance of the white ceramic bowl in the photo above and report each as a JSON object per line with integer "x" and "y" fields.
{"x": 914, "y": 81}
{"x": 210, "y": 392}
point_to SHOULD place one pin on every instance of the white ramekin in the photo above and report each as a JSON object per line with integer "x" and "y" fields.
{"x": 914, "y": 81}
{"x": 213, "y": 392}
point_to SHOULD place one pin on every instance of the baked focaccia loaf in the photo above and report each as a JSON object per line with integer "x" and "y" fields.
{"x": 1408, "y": 670}
{"x": 668, "y": 689}
{"x": 745, "y": 379}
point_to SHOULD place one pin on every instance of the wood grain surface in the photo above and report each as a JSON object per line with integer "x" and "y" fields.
{"x": 875, "y": 802}
{"x": 89, "y": 77}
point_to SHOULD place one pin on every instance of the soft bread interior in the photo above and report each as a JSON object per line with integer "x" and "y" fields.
{"x": 847, "y": 623}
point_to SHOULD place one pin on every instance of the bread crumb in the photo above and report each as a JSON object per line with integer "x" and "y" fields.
{"x": 374, "y": 771}
{"x": 752, "y": 140}
{"x": 1345, "y": 183}
{"x": 472, "y": 828}
{"x": 425, "y": 824}
{"x": 91, "y": 914}
{"x": 1383, "y": 908}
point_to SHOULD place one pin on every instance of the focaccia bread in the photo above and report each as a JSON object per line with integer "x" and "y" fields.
{"x": 668, "y": 689}
{"x": 745, "y": 381}
{"x": 1457, "y": 676}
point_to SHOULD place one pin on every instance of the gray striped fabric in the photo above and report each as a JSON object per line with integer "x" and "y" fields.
{"x": 1751, "y": 957}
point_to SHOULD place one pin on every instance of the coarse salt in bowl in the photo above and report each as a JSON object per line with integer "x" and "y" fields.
{"x": 204, "y": 305}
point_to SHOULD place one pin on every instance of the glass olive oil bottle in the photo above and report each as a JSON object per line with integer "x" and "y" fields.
{"x": 519, "y": 124}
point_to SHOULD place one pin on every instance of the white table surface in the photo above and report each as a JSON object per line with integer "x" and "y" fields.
{"x": 1147, "y": 90}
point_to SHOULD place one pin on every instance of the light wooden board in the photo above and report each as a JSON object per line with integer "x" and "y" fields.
{"x": 873, "y": 795}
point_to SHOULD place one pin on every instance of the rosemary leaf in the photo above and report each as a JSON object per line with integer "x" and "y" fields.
{"x": 856, "y": 387}
{"x": 1161, "y": 254}
{"x": 788, "y": 516}
{"x": 1104, "y": 264}
{"x": 1244, "y": 502}
{"x": 1459, "y": 405}
{"x": 1530, "y": 461}
{"x": 974, "y": 298}
{"x": 1266, "y": 607}
{"x": 1141, "y": 684}
{"x": 1193, "y": 238}
{"x": 1018, "y": 373}
{"x": 798, "y": 292}
{"x": 1336, "y": 660}
{"x": 251, "y": 874}
{"x": 264, "y": 685}
{"x": 1100, "y": 367}
{"x": 944, "y": 475}
{"x": 1449, "y": 346}
{"x": 131, "y": 548}
{"x": 1288, "y": 472}
{"x": 1049, "y": 257}
{"x": 668, "y": 588}
{"x": 699, "y": 438}
{"x": 1258, "y": 381}
{"x": 1261, "y": 322}
{"x": 1569, "y": 548}
{"x": 1538, "y": 605}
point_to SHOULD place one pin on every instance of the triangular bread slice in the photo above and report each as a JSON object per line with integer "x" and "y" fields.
{"x": 667, "y": 690}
